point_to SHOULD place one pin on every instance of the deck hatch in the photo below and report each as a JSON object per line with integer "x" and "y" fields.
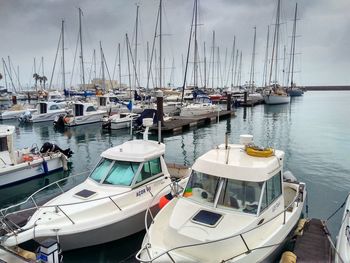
{"x": 207, "y": 218}
{"x": 85, "y": 194}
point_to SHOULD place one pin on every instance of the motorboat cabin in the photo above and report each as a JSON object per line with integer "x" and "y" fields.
{"x": 48, "y": 110}
{"x": 236, "y": 203}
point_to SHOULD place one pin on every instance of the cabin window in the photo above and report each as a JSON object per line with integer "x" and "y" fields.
{"x": 239, "y": 195}
{"x": 122, "y": 173}
{"x": 273, "y": 190}
{"x": 3, "y": 144}
{"x": 101, "y": 170}
{"x": 149, "y": 169}
{"x": 79, "y": 110}
{"x": 90, "y": 108}
{"x": 43, "y": 108}
{"x": 202, "y": 187}
{"x": 54, "y": 107}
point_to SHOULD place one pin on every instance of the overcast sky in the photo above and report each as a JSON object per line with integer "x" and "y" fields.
{"x": 31, "y": 28}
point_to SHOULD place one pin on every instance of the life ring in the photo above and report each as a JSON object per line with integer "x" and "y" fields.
{"x": 255, "y": 151}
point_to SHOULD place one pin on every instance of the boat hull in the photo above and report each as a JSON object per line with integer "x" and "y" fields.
{"x": 295, "y": 92}
{"x": 87, "y": 119}
{"x": 9, "y": 115}
{"x": 115, "y": 231}
{"x": 276, "y": 99}
{"x": 25, "y": 171}
{"x": 121, "y": 125}
{"x": 50, "y": 116}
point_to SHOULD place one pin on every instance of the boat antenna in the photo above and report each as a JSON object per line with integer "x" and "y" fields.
{"x": 159, "y": 132}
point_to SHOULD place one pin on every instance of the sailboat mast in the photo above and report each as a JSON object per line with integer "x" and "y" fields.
{"x": 233, "y": 60}
{"x": 102, "y": 69}
{"x": 160, "y": 43}
{"x": 136, "y": 35}
{"x": 266, "y": 57}
{"x": 127, "y": 52}
{"x": 63, "y": 63}
{"x": 252, "y": 69}
{"x": 119, "y": 67}
{"x": 205, "y": 66}
{"x": 213, "y": 63}
{"x": 293, "y": 44}
{"x": 81, "y": 48}
{"x": 195, "y": 73}
{"x": 274, "y": 55}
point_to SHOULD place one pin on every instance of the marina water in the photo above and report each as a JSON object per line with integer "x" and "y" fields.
{"x": 313, "y": 130}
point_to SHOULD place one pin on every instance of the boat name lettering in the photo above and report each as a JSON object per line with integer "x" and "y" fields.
{"x": 276, "y": 206}
{"x": 142, "y": 191}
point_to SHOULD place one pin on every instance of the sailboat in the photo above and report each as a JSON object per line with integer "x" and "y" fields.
{"x": 274, "y": 93}
{"x": 293, "y": 90}
{"x": 199, "y": 107}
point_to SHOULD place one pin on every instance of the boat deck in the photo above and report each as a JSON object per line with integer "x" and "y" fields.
{"x": 178, "y": 124}
{"x": 8, "y": 257}
{"x": 314, "y": 245}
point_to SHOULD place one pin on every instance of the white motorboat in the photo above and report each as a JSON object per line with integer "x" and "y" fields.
{"x": 14, "y": 112}
{"x": 236, "y": 207}
{"x": 55, "y": 95}
{"x": 83, "y": 113}
{"x": 23, "y": 164}
{"x": 46, "y": 111}
{"x": 119, "y": 121}
{"x": 110, "y": 204}
{"x": 343, "y": 238}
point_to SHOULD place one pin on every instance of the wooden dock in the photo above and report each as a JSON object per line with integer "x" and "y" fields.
{"x": 179, "y": 124}
{"x": 314, "y": 245}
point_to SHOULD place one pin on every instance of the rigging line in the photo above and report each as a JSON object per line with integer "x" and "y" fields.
{"x": 188, "y": 54}
{"x": 54, "y": 64}
{"x": 336, "y": 211}
{"x": 109, "y": 76}
{"x": 74, "y": 60}
{"x": 152, "y": 52}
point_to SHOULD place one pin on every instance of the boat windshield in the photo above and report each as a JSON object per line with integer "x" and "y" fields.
{"x": 115, "y": 172}
{"x": 202, "y": 187}
{"x": 240, "y": 196}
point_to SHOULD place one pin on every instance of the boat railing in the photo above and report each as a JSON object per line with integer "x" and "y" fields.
{"x": 297, "y": 199}
{"x": 5, "y": 213}
{"x": 35, "y": 199}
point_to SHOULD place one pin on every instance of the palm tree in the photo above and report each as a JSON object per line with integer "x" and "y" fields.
{"x": 36, "y": 78}
{"x": 44, "y": 80}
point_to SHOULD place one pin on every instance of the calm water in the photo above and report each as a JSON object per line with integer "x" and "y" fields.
{"x": 314, "y": 132}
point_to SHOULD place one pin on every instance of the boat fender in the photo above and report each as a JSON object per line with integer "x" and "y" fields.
{"x": 300, "y": 228}
{"x": 27, "y": 158}
{"x": 164, "y": 200}
{"x": 288, "y": 257}
{"x": 46, "y": 169}
{"x": 64, "y": 162}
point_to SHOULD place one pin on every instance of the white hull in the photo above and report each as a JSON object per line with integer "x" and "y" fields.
{"x": 343, "y": 244}
{"x": 196, "y": 110}
{"x": 50, "y": 116}
{"x": 87, "y": 119}
{"x": 24, "y": 171}
{"x": 276, "y": 99}
{"x": 120, "y": 124}
{"x": 231, "y": 249}
{"x": 9, "y": 115}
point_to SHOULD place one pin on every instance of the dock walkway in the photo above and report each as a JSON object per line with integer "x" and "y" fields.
{"x": 314, "y": 245}
{"x": 178, "y": 124}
